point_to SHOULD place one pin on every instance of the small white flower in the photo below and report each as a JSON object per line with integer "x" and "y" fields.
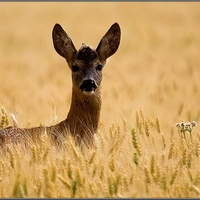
{"x": 194, "y": 123}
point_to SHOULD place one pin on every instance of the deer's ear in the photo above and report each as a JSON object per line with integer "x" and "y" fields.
{"x": 63, "y": 43}
{"x": 109, "y": 42}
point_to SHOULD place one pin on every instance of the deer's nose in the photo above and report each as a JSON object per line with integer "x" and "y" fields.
{"x": 88, "y": 86}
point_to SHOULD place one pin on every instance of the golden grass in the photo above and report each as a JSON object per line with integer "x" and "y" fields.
{"x": 149, "y": 85}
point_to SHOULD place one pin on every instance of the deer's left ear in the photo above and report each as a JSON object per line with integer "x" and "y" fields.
{"x": 109, "y": 42}
{"x": 63, "y": 43}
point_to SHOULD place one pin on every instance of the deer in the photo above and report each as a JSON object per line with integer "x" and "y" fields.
{"x": 86, "y": 65}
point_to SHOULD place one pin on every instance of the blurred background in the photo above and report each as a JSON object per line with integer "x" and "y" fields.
{"x": 156, "y": 68}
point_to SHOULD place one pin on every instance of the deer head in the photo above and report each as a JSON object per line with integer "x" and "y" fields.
{"x": 87, "y": 63}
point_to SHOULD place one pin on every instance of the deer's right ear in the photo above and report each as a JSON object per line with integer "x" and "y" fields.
{"x": 110, "y": 42}
{"x": 63, "y": 43}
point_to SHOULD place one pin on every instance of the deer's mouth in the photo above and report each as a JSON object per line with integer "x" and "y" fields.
{"x": 88, "y": 87}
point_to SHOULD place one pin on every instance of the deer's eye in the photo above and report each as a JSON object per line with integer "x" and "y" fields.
{"x": 75, "y": 68}
{"x": 99, "y": 67}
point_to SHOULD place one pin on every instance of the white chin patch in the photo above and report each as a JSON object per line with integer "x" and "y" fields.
{"x": 88, "y": 93}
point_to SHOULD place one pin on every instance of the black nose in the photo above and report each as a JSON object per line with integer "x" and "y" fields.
{"x": 88, "y": 85}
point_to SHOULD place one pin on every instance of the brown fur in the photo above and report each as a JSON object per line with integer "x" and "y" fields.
{"x": 86, "y": 65}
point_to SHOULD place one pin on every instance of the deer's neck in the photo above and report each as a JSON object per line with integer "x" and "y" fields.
{"x": 83, "y": 117}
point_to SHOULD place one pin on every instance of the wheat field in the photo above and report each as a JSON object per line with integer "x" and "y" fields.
{"x": 148, "y": 142}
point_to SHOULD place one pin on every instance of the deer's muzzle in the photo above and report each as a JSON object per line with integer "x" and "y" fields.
{"x": 88, "y": 87}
